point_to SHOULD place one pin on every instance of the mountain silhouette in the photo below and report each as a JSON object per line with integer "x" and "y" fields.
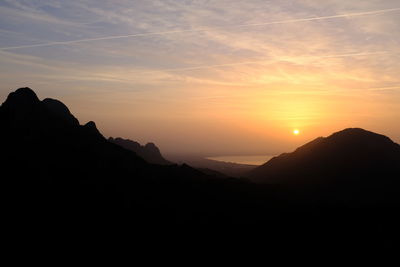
{"x": 58, "y": 174}
{"x": 219, "y": 168}
{"x": 149, "y": 152}
{"x": 51, "y": 163}
{"x": 350, "y": 159}
{"x": 59, "y": 111}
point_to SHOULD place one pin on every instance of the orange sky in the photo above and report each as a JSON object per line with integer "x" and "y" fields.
{"x": 226, "y": 78}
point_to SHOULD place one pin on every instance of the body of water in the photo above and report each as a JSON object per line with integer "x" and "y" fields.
{"x": 251, "y": 160}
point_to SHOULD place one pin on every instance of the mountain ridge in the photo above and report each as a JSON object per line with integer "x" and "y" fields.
{"x": 149, "y": 152}
{"x": 52, "y": 168}
{"x": 50, "y": 165}
{"x": 352, "y": 151}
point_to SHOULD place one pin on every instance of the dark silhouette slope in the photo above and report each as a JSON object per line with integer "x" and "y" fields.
{"x": 348, "y": 154}
{"x": 148, "y": 152}
{"x": 225, "y": 168}
{"x": 59, "y": 111}
{"x": 352, "y": 159}
{"x": 44, "y": 133}
{"x": 58, "y": 175}
{"x": 51, "y": 163}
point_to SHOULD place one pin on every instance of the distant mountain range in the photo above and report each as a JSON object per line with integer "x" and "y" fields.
{"x": 151, "y": 154}
{"x": 148, "y": 152}
{"x": 50, "y": 163}
{"x": 206, "y": 165}
{"x": 56, "y": 170}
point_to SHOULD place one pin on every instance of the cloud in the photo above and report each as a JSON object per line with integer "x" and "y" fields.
{"x": 349, "y": 15}
{"x": 235, "y": 60}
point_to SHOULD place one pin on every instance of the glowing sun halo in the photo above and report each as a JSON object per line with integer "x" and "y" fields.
{"x": 296, "y": 132}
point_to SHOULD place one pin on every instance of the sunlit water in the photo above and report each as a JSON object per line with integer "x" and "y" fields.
{"x": 252, "y": 160}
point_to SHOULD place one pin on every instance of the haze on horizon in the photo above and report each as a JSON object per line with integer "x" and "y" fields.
{"x": 210, "y": 77}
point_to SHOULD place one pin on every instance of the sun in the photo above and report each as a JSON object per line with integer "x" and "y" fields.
{"x": 296, "y": 132}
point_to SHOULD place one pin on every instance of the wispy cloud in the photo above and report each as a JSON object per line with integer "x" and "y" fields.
{"x": 349, "y": 15}
{"x": 269, "y": 61}
{"x": 273, "y": 63}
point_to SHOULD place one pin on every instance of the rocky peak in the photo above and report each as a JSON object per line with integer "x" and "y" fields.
{"x": 59, "y": 110}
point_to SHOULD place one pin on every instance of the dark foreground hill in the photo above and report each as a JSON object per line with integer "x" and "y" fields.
{"x": 353, "y": 163}
{"x": 51, "y": 163}
{"x": 149, "y": 152}
{"x": 58, "y": 174}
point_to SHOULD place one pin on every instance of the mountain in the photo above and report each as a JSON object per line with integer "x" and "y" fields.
{"x": 350, "y": 162}
{"x": 60, "y": 176}
{"x": 59, "y": 111}
{"x": 149, "y": 152}
{"x": 206, "y": 165}
{"x": 45, "y": 136}
{"x": 55, "y": 169}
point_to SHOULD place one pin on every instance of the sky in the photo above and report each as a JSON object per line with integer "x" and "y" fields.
{"x": 215, "y": 78}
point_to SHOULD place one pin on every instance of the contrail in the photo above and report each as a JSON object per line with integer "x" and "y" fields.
{"x": 201, "y": 30}
{"x": 322, "y": 18}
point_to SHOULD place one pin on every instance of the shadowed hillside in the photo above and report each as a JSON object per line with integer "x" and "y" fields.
{"x": 54, "y": 168}
{"x": 353, "y": 163}
{"x": 148, "y": 152}
{"x": 226, "y": 168}
{"x": 52, "y": 163}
